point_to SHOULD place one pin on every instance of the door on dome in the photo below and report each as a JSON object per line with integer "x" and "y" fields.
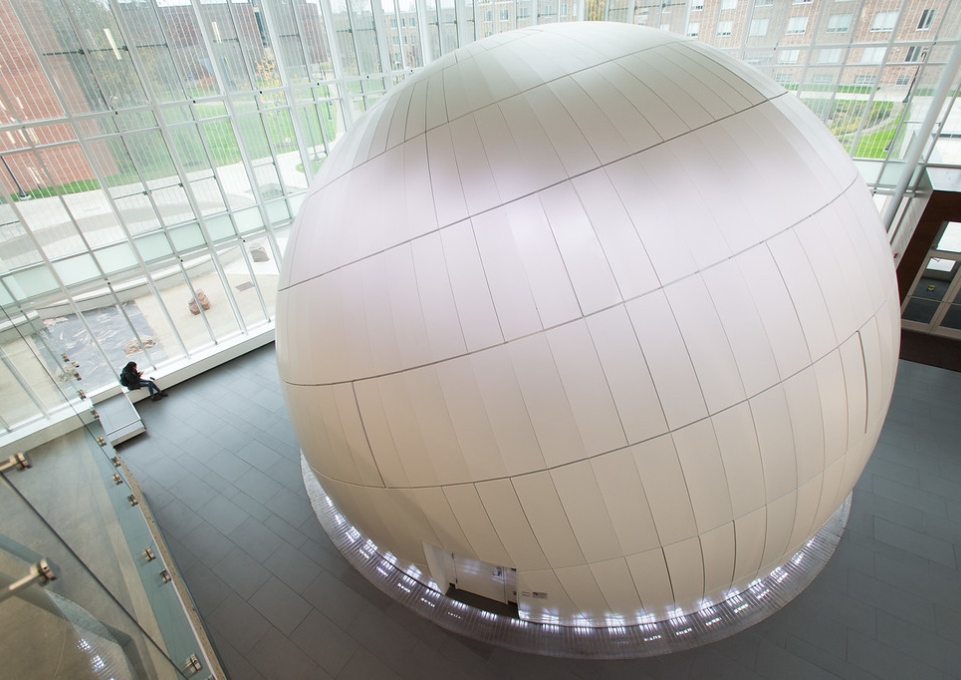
{"x": 465, "y": 573}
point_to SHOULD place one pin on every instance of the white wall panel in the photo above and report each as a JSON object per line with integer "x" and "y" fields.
{"x": 547, "y": 404}
{"x": 476, "y": 174}
{"x": 652, "y": 214}
{"x": 613, "y": 228}
{"x": 628, "y": 122}
{"x": 741, "y": 455}
{"x": 670, "y": 92}
{"x": 417, "y": 113}
{"x": 583, "y": 590}
{"x": 404, "y": 429}
{"x": 546, "y": 515}
{"x": 710, "y": 353}
{"x": 449, "y": 201}
{"x": 572, "y": 147}
{"x": 855, "y": 383}
{"x": 688, "y": 79}
{"x": 514, "y": 175}
{"x": 750, "y": 532}
{"x": 777, "y": 312}
{"x": 667, "y": 359}
{"x": 584, "y": 259}
{"x": 405, "y": 308}
{"x": 808, "y": 499}
{"x": 377, "y": 430}
{"x": 583, "y": 503}
{"x": 718, "y": 549}
{"x": 742, "y": 326}
{"x": 546, "y": 275}
{"x": 586, "y": 388}
{"x": 665, "y": 121}
{"x": 444, "y": 335}
{"x": 436, "y": 104}
{"x": 553, "y": 602}
{"x": 620, "y": 485}
{"x": 509, "y": 286}
{"x": 807, "y": 424}
{"x": 651, "y": 580}
{"x": 504, "y": 403}
{"x": 533, "y": 162}
{"x": 473, "y": 519}
{"x": 776, "y": 440}
{"x": 516, "y": 532}
{"x": 377, "y": 348}
{"x": 834, "y": 405}
{"x": 434, "y": 425}
{"x": 830, "y": 488}
{"x": 729, "y": 85}
{"x": 781, "y": 513}
{"x": 667, "y": 493}
{"x": 685, "y": 564}
{"x": 437, "y": 511}
{"x": 627, "y": 375}
{"x": 829, "y": 270}
{"x": 704, "y": 475}
{"x": 805, "y": 294}
{"x": 398, "y": 119}
{"x": 355, "y": 439}
{"x": 469, "y": 418}
{"x": 614, "y": 579}
{"x": 877, "y": 391}
{"x": 468, "y": 282}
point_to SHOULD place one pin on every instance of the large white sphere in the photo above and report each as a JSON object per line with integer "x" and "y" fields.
{"x": 594, "y": 302}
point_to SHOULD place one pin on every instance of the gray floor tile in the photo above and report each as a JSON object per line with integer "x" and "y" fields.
{"x": 324, "y": 642}
{"x": 280, "y": 605}
{"x": 238, "y": 622}
{"x": 928, "y": 547}
{"x": 207, "y": 543}
{"x": 257, "y": 485}
{"x": 257, "y": 540}
{"x": 224, "y": 515}
{"x": 242, "y": 573}
{"x": 293, "y": 567}
{"x": 277, "y": 657}
{"x": 363, "y": 665}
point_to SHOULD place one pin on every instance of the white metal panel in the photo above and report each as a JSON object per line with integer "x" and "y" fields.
{"x": 808, "y": 499}
{"x": 821, "y": 241}
{"x": 476, "y": 174}
{"x": 472, "y": 518}
{"x": 377, "y": 430}
{"x": 667, "y": 493}
{"x": 718, "y": 549}
{"x": 546, "y": 515}
{"x": 468, "y": 283}
{"x": 750, "y": 532}
{"x": 614, "y": 579}
{"x": 623, "y": 250}
{"x": 533, "y": 154}
{"x": 445, "y": 180}
{"x": 478, "y": 90}
{"x": 627, "y": 507}
{"x": 439, "y": 310}
{"x": 665, "y": 121}
{"x": 469, "y": 418}
{"x": 708, "y": 90}
{"x": 572, "y": 147}
{"x": 855, "y": 383}
{"x": 506, "y": 277}
{"x": 406, "y": 313}
{"x": 512, "y": 175}
{"x": 727, "y": 84}
{"x": 807, "y": 425}
{"x": 877, "y": 390}
{"x": 584, "y": 259}
{"x": 586, "y": 388}
{"x": 667, "y": 359}
{"x": 436, "y": 104}
{"x": 416, "y": 123}
{"x": 584, "y": 506}
{"x": 780, "y": 521}
{"x": 830, "y": 489}
{"x": 504, "y": 404}
{"x": 583, "y": 590}
{"x": 397, "y": 132}
{"x": 355, "y": 438}
{"x": 742, "y": 326}
{"x": 651, "y": 580}
{"x": 834, "y": 406}
{"x": 627, "y": 375}
{"x": 626, "y": 122}
{"x": 776, "y": 309}
{"x": 805, "y": 292}
{"x": 547, "y": 404}
{"x": 367, "y": 318}
{"x": 704, "y": 475}
{"x": 456, "y": 95}
{"x": 775, "y": 438}
{"x": 668, "y": 89}
{"x": 737, "y": 441}
{"x": 437, "y": 511}
{"x": 685, "y": 564}
{"x": 514, "y": 529}
{"x": 405, "y": 430}
{"x": 546, "y": 274}
{"x": 404, "y": 518}
{"x": 434, "y": 425}
{"x": 551, "y": 602}
{"x": 708, "y": 347}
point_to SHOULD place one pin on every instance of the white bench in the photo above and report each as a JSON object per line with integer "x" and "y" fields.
{"x": 119, "y": 419}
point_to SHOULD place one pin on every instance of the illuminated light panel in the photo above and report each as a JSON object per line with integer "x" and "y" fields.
{"x": 648, "y": 636}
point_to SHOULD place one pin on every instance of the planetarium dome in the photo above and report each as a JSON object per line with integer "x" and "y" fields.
{"x": 589, "y": 318}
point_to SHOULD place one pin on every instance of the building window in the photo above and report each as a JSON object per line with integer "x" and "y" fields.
{"x": 693, "y": 29}
{"x": 783, "y": 78}
{"x": 758, "y": 27}
{"x": 788, "y": 56}
{"x": 796, "y": 25}
{"x": 802, "y": 2}
{"x": 523, "y": 12}
{"x": 696, "y": 5}
{"x": 564, "y": 10}
{"x": 822, "y": 79}
{"x": 838, "y": 23}
{"x": 505, "y": 14}
{"x": 728, "y": 4}
{"x": 864, "y": 80}
{"x": 829, "y": 56}
{"x": 488, "y": 15}
{"x": 884, "y": 21}
{"x": 914, "y": 53}
{"x": 927, "y": 16}
{"x": 763, "y": 3}
{"x": 872, "y": 55}
{"x": 903, "y": 80}
{"x": 725, "y": 27}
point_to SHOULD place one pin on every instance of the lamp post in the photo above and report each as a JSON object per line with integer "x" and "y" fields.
{"x": 23, "y": 195}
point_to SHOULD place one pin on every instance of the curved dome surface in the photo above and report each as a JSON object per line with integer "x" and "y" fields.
{"x": 596, "y": 303}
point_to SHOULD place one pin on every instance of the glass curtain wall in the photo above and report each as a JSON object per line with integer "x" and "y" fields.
{"x": 154, "y": 152}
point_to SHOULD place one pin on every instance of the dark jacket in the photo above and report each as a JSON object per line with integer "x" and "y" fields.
{"x": 130, "y": 377}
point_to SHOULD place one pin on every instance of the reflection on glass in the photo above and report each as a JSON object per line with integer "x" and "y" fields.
{"x": 950, "y": 241}
{"x": 920, "y": 310}
{"x": 931, "y": 289}
{"x": 952, "y": 318}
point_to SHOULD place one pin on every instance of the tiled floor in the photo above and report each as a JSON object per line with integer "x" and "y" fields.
{"x": 220, "y": 469}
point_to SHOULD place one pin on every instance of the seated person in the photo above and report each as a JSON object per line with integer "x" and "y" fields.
{"x": 131, "y": 378}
